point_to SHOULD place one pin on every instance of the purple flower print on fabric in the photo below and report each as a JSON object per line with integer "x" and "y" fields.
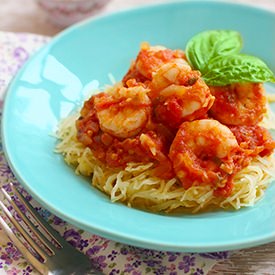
{"x": 215, "y": 255}
{"x": 10, "y": 254}
{"x": 186, "y": 263}
{"x": 21, "y": 55}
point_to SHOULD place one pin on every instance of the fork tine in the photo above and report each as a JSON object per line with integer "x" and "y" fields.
{"x": 21, "y": 247}
{"x": 34, "y": 230}
{"x": 66, "y": 260}
{"x": 41, "y": 222}
{"x": 22, "y": 231}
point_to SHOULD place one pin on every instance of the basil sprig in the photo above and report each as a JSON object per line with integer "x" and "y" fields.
{"x": 216, "y": 54}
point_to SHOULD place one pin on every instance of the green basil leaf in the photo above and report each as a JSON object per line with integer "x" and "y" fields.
{"x": 237, "y": 68}
{"x": 209, "y": 44}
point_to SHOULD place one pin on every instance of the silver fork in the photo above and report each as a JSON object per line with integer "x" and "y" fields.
{"x": 49, "y": 255}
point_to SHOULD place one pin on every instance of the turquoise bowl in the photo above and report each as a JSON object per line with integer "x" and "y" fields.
{"x": 55, "y": 81}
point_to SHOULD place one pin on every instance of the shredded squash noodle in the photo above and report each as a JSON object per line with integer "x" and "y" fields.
{"x": 136, "y": 187}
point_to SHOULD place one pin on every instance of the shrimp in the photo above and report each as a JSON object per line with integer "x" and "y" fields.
{"x": 202, "y": 153}
{"x": 177, "y": 72}
{"x": 148, "y": 60}
{"x": 117, "y": 113}
{"x": 179, "y": 94}
{"x": 239, "y": 104}
{"x": 123, "y": 112}
{"x": 150, "y": 145}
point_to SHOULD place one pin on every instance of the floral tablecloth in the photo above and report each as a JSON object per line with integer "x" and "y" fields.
{"x": 109, "y": 256}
